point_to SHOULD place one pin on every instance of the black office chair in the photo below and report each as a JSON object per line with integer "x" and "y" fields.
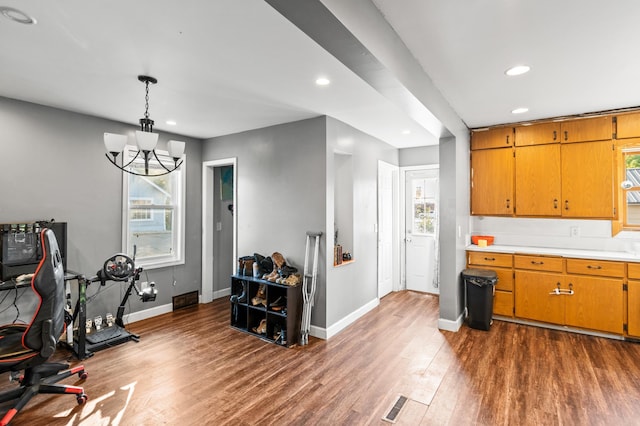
{"x": 28, "y": 346}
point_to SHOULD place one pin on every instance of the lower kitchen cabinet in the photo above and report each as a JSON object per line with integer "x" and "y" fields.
{"x": 594, "y": 303}
{"x": 535, "y": 297}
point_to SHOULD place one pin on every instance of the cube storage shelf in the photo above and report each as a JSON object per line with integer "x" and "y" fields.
{"x": 246, "y": 317}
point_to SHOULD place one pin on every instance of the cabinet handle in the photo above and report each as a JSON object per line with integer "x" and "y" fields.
{"x": 594, "y": 267}
{"x": 555, "y": 135}
{"x": 566, "y": 204}
{"x": 508, "y": 205}
{"x": 562, "y": 291}
{"x": 533, "y": 262}
{"x": 555, "y": 203}
{"x": 566, "y": 135}
{"x": 507, "y": 139}
{"x": 491, "y": 259}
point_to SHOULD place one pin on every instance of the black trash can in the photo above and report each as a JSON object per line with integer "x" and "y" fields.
{"x": 480, "y": 285}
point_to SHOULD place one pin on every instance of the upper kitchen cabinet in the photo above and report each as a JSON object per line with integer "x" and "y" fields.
{"x": 587, "y": 129}
{"x": 578, "y": 130}
{"x": 538, "y": 134}
{"x": 499, "y": 137}
{"x": 538, "y": 180}
{"x": 492, "y": 180}
{"x": 588, "y": 180}
{"x": 628, "y": 125}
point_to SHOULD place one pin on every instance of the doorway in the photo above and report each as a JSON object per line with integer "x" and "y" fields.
{"x": 219, "y": 227}
{"x": 387, "y": 226}
{"x": 421, "y": 225}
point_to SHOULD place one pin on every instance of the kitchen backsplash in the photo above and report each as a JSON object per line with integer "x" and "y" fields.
{"x": 555, "y": 233}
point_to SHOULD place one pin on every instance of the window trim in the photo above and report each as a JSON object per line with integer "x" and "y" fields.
{"x": 177, "y": 258}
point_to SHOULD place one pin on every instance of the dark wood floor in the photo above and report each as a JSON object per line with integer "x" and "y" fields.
{"x": 191, "y": 368}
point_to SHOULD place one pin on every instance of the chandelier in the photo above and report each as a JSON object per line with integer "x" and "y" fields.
{"x": 146, "y": 141}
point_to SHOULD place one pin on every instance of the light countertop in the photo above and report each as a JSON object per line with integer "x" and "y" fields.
{"x": 548, "y": 251}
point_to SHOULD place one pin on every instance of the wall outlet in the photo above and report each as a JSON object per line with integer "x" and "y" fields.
{"x": 574, "y": 231}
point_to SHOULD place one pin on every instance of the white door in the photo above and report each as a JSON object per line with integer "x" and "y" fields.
{"x": 386, "y": 205}
{"x": 421, "y": 223}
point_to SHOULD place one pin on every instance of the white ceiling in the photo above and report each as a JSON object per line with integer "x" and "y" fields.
{"x": 226, "y": 66}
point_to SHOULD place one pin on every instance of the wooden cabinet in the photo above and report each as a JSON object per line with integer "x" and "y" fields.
{"x": 587, "y": 180}
{"x": 569, "y": 180}
{"x": 596, "y": 303}
{"x": 492, "y": 187}
{"x": 586, "y": 129}
{"x": 267, "y": 310}
{"x": 628, "y": 125}
{"x": 578, "y": 130}
{"x": 500, "y": 263}
{"x": 633, "y": 299}
{"x": 582, "y": 293}
{"x": 538, "y": 181}
{"x": 498, "y": 137}
{"x": 537, "y": 134}
{"x": 535, "y": 298}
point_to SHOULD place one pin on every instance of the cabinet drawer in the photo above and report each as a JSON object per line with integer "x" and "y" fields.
{"x": 633, "y": 270}
{"x": 503, "y": 303}
{"x": 505, "y": 277}
{"x": 538, "y": 263}
{"x": 595, "y": 267}
{"x": 490, "y": 259}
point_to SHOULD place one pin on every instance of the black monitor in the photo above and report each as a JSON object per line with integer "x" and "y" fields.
{"x": 20, "y": 250}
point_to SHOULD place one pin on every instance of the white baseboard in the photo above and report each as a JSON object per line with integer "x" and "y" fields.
{"x": 147, "y": 313}
{"x": 327, "y": 333}
{"x": 225, "y": 292}
{"x": 449, "y": 325}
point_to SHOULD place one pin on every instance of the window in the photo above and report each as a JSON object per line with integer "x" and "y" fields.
{"x": 424, "y": 205}
{"x": 153, "y": 214}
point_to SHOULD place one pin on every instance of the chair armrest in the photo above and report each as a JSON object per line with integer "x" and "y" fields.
{"x": 48, "y": 339}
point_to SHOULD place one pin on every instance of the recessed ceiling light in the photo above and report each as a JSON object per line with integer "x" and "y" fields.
{"x": 171, "y": 123}
{"x": 406, "y": 132}
{"x": 17, "y": 15}
{"x": 520, "y": 110}
{"x": 322, "y": 81}
{"x": 518, "y": 70}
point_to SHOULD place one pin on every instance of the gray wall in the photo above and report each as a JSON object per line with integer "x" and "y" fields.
{"x": 352, "y": 286}
{"x": 54, "y": 167}
{"x": 281, "y": 196}
{"x": 419, "y": 156}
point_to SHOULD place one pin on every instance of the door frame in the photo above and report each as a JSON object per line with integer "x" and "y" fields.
{"x": 208, "y": 226}
{"x": 395, "y": 226}
{"x": 403, "y": 221}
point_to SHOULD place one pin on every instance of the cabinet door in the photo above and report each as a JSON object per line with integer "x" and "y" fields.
{"x": 633, "y": 308}
{"x": 538, "y": 183}
{"x": 492, "y": 182}
{"x": 503, "y": 303}
{"x": 628, "y": 126}
{"x": 499, "y": 137}
{"x": 533, "y": 298}
{"x": 587, "y": 129}
{"x": 587, "y": 180}
{"x": 597, "y": 303}
{"x": 536, "y": 134}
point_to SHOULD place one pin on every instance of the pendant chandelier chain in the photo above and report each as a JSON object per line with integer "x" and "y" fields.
{"x": 146, "y": 100}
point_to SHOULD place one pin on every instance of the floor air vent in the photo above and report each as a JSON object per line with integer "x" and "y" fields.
{"x": 185, "y": 300}
{"x": 393, "y": 413}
